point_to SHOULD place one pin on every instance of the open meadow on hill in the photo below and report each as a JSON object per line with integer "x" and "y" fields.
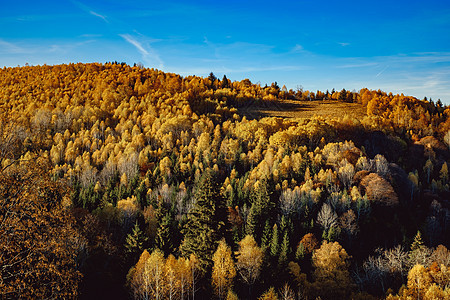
{"x": 302, "y": 109}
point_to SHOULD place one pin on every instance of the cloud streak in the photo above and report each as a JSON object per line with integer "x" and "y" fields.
{"x": 298, "y": 48}
{"x": 98, "y": 15}
{"x": 90, "y": 11}
{"x": 10, "y": 48}
{"x": 149, "y": 55}
{"x": 382, "y": 71}
{"x": 357, "y": 65}
{"x": 135, "y": 43}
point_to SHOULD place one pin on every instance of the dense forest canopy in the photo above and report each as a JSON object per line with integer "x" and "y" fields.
{"x": 161, "y": 187}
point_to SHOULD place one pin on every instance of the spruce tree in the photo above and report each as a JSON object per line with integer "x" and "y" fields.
{"x": 261, "y": 210}
{"x": 135, "y": 241}
{"x": 252, "y": 220}
{"x": 206, "y": 223}
{"x": 275, "y": 243}
{"x": 266, "y": 237}
{"x": 283, "y": 224}
{"x": 284, "y": 250}
{"x": 300, "y": 252}
{"x": 165, "y": 234}
{"x": 224, "y": 82}
{"x": 212, "y": 78}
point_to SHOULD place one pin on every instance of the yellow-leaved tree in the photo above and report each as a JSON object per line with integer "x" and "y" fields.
{"x": 419, "y": 280}
{"x": 249, "y": 261}
{"x": 270, "y": 294}
{"x": 146, "y": 278}
{"x": 331, "y": 275}
{"x": 223, "y": 271}
{"x": 154, "y": 277}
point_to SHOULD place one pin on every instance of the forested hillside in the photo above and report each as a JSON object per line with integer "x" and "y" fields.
{"x": 125, "y": 182}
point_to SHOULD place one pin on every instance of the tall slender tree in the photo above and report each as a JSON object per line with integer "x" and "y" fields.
{"x": 275, "y": 242}
{"x": 223, "y": 271}
{"x": 135, "y": 241}
{"x": 206, "y": 222}
{"x": 249, "y": 261}
{"x": 261, "y": 210}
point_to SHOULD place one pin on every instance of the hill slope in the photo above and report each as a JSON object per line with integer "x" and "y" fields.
{"x": 302, "y": 109}
{"x": 152, "y": 160}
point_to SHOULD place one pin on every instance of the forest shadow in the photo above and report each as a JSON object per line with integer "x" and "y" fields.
{"x": 257, "y": 109}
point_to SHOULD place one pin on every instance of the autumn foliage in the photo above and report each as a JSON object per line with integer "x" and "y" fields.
{"x": 38, "y": 242}
{"x": 122, "y": 181}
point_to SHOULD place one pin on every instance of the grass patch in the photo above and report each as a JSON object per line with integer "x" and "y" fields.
{"x": 301, "y": 109}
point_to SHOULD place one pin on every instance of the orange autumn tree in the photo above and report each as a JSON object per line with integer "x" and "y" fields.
{"x": 331, "y": 274}
{"x": 249, "y": 260}
{"x": 38, "y": 244}
{"x": 223, "y": 271}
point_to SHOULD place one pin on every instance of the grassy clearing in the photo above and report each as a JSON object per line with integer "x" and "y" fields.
{"x": 301, "y": 109}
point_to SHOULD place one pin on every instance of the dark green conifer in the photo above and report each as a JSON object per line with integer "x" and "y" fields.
{"x": 165, "y": 234}
{"x": 135, "y": 241}
{"x": 275, "y": 242}
{"x": 212, "y": 78}
{"x": 300, "y": 252}
{"x": 206, "y": 222}
{"x": 225, "y": 82}
{"x": 284, "y": 250}
{"x": 266, "y": 237}
{"x": 260, "y": 211}
{"x": 283, "y": 224}
{"x": 252, "y": 220}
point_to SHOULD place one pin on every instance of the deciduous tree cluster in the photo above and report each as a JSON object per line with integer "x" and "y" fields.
{"x": 160, "y": 187}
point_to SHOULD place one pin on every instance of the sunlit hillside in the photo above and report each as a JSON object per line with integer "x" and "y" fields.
{"x": 126, "y": 182}
{"x": 302, "y": 109}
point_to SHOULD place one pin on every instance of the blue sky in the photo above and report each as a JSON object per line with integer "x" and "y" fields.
{"x": 397, "y": 46}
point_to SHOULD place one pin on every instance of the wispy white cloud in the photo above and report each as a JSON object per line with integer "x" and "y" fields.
{"x": 91, "y": 35}
{"x": 434, "y": 81}
{"x": 357, "y": 65}
{"x": 90, "y": 11}
{"x": 98, "y": 15}
{"x": 179, "y": 8}
{"x": 11, "y": 48}
{"x": 48, "y": 51}
{"x": 221, "y": 51}
{"x": 298, "y": 48}
{"x": 203, "y": 71}
{"x": 392, "y": 61}
{"x": 62, "y": 48}
{"x": 344, "y": 44}
{"x": 243, "y": 48}
{"x": 382, "y": 71}
{"x": 419, "y": 57}
{"x": 149, "y": 55}
{"x": 248, "y": 69}
{"x": 135, "y": 43}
